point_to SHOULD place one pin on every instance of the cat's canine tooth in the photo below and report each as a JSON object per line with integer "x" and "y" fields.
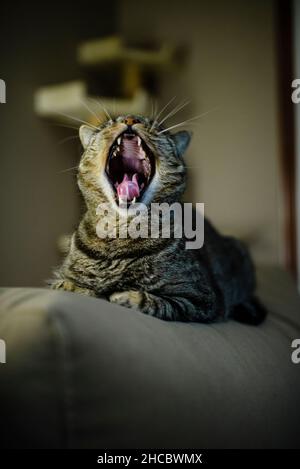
{"x": 119, "y": 141}
{"x": 122, "y": 203}
{"x": 133, "y": 200}
{"x": 139, "y": 141}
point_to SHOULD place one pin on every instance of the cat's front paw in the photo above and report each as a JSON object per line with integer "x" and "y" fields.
{"x": 130, "y": 299}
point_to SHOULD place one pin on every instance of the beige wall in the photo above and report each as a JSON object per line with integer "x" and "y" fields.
{"x": 230, "y": 64}
{"x": 234, "y": 154}
{"x": 38, "y": 202}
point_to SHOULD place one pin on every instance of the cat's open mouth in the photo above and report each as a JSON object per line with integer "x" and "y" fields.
{"x": 130, "y": 167}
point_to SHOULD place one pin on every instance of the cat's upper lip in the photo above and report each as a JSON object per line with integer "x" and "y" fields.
{"x": 130, "y": 166}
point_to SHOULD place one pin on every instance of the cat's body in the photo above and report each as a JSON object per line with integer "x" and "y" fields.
{"x": 158, "y": 276}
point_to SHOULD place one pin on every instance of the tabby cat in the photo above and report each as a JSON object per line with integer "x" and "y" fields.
{"x": 134, "y": 157}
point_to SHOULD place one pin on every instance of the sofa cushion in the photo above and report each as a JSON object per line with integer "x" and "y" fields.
{"x": 84, "y": 373}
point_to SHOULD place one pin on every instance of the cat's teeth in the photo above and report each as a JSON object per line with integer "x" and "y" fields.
{"x": 119, "y": 141}
{"x": 139, "y": 141}
{"x": 133, "y": 200}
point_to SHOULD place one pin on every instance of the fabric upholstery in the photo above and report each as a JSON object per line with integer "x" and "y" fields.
{"x": 84, "y": 373}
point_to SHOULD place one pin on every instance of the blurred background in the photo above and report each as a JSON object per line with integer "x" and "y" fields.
{"x": 231, "y": 61}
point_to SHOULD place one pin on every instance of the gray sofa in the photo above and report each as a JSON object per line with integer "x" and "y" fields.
{"x": 83, "y": 373}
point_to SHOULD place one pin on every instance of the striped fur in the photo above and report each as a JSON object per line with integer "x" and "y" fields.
{"x": 157, "y": 276}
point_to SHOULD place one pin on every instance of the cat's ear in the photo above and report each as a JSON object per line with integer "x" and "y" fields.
{"x": 182, "y": 140}
{"x": 85, "y": 133}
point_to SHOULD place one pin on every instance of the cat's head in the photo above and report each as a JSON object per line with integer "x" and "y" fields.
{"x": 132, "y": 158}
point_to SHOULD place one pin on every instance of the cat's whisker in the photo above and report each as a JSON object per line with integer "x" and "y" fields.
{"x": 90, "y": 110}
{"x": 151, "y": 112}
{"x": 64, "y": 125}
{"x": 175, "y": 110}
{"x": 160, "y": 112}
{"x": 103, "y": 108}
{"x": 69, "y": 169}
{"x": 64, "y": 140}
{"x": 78, "y": 120}
{"x": 154, "y": 108}
{"x": 188, "y": 120}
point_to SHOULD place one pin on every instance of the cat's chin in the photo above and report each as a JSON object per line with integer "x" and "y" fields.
{"x": 130, "y": 167}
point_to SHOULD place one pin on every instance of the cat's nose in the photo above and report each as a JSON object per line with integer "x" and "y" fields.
{"x": 131, "y": 121}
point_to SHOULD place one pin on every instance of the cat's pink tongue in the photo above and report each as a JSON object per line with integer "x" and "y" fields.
{"x": 128, "y": 189}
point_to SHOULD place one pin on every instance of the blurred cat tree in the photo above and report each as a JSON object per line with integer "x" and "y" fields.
{"x": 117, "y": 78}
